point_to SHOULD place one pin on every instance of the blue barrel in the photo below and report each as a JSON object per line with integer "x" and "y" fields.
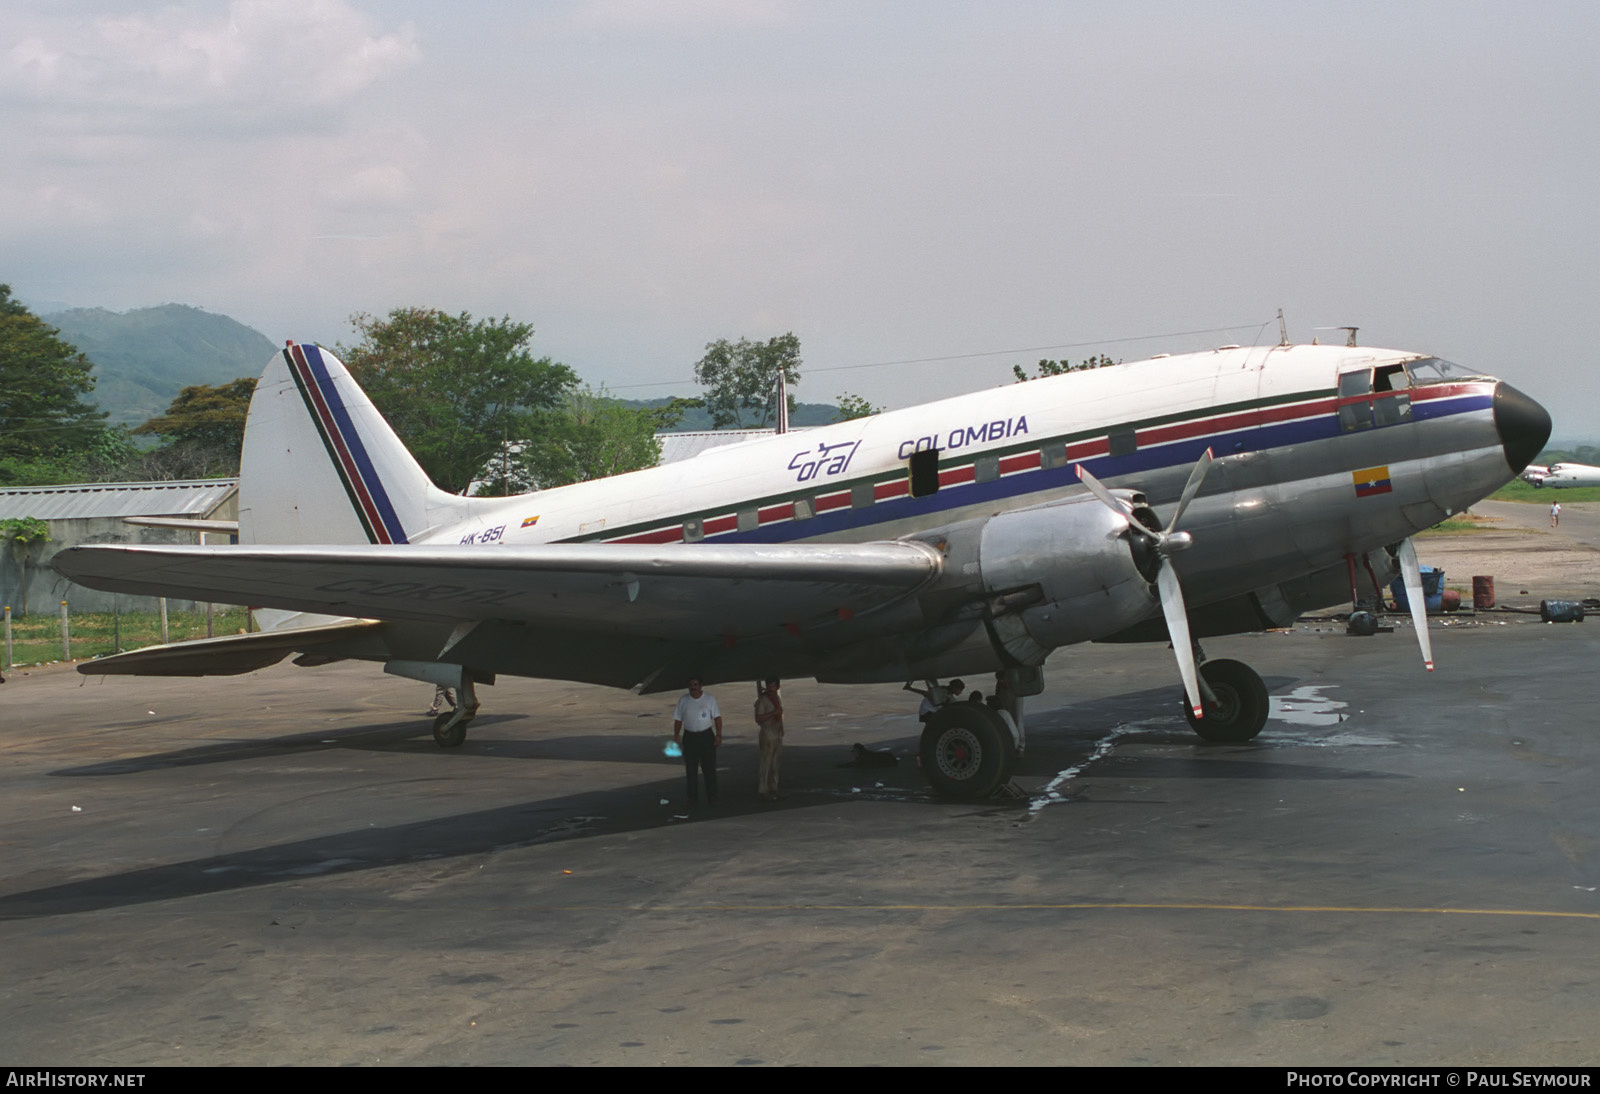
{"x": 1432, "y": 590}
{"x": 1561, "y": 611}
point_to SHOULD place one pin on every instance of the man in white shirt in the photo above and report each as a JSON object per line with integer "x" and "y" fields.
{"x": 935, "y": 697}
{"x": 697, "y": 728}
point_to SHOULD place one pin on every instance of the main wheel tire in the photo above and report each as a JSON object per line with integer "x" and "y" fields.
{"x": 964, "y": 751}
{"x": 449, "y": 738}
{"x": 1011, "y": 757}
{"x": 1241, "y": 707}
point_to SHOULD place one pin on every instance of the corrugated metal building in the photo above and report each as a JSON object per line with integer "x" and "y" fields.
{"x": 92, "y": 513}
{"x": 684, "y": 446}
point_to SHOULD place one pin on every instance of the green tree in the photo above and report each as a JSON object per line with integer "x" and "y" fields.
{"x": 741, "y": 379}
{"x": 457, "y": 390}
{"x": 1059, "y": 368}
{"x": 664, "y": 418}
{"x": 202, "y": 431}
{"x": 854, "y": 406}
{"x": 594, "y": 436}
{"x": 22, "y": 532}
{"x": 45, "y": 423}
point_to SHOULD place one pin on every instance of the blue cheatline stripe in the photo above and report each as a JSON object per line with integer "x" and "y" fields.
{"x": 352, "y": 439}
{"x": 1181, "y": 453}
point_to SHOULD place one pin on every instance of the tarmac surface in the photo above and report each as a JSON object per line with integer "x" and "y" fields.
{"x": 283, "y": 868}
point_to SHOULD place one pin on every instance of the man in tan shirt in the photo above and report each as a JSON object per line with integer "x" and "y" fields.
{"x": 769, "y": 716}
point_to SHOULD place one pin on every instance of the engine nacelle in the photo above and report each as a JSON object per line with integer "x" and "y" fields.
{"x": 1016, "y": 586}
{"x": 1093, "y": 575}
{"x": 1052, "y": 575}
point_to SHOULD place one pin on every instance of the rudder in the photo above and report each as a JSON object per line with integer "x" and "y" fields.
{"x": 321, "y": 466}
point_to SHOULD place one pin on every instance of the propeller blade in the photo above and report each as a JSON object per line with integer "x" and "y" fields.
{"x": 1411, "y": 571}
{"x": 1191, "y": 488}
{"x": 1178, "y": 629}
{"x": 1098, "y": 489}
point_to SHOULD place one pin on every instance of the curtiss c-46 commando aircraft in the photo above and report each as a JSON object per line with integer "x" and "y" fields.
{"x": 1161, "y": 500}
{"x": 1559, "y": 475}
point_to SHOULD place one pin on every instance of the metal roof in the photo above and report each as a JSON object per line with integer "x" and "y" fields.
{"x": 181, "y": 498}
{"x": 683, "y": 446}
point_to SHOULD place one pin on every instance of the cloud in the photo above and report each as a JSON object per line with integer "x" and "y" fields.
{"x": 255, "y": 58}
{"x": 684, "y": 15}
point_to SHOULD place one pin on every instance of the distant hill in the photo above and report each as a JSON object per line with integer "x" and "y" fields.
{"x": 699, "y": 420}
{"x": 144, "y": 357}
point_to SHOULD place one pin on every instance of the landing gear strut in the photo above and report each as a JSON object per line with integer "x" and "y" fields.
{"x": 1235, "y": 703}
{"x": 450, "y": 728}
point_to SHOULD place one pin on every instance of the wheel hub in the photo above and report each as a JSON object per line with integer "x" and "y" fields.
{"x": 960, "y": 754}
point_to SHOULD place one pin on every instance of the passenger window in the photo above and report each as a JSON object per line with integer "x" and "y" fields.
{"x": 862, "y": 495}
{"x": 749, "y": 520}
{"x": 1052, "y": 456}
{"x": 924, "y": 472}
{"x": 693, "y": 531}
{"x": 804, "y": 508}
{"x": 986, "y": 469}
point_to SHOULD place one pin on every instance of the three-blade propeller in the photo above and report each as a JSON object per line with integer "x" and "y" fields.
{"x": 1166, "y": 541}
{"x": 1411, "y": 572}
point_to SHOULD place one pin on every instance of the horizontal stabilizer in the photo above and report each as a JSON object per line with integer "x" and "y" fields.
{"x": 187, "y": 524}
{"x": 228, "y": 655}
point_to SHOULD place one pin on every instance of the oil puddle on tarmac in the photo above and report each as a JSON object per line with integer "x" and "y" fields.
{"x": 1304, "y": 706}
{"x": 1307, "y": 707}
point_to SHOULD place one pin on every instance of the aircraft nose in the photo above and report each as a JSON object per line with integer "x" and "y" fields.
{"x": 1523, "y": 425}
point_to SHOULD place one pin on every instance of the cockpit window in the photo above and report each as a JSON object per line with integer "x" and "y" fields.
{"x": 1436, "y": 370}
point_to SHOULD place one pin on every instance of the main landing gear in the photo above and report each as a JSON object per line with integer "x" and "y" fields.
{"x": 970, "y": 750}
{"x": 1235, "y": 702}
{"x": 450, "y": 728}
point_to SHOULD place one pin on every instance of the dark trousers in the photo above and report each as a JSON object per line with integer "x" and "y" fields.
{"x": 700, "y": 753}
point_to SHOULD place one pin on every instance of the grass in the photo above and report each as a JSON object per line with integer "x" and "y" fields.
{"x": 1517, "y": 490}
{"x": 37, "y": 638}
{"x": 1466, "y": 524}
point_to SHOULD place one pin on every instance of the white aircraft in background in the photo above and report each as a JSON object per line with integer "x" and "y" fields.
{"x": 1562, "y": 475}
{"x": 1168, "y": 499}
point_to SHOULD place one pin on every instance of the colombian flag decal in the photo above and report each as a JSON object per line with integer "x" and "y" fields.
{"x": 1371, "y": 481}
{"x": 529, "y": 522}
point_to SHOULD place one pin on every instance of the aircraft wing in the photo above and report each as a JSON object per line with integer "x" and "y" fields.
{"x": 708, "y": 592}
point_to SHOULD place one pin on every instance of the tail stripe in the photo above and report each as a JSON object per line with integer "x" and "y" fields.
{"x": 339, "y": 433}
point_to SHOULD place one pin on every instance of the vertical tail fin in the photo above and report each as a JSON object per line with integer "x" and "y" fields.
{"x": 321, "y": 466}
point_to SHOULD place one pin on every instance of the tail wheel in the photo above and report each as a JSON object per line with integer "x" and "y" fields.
{"x": 964, "y": 751}
{"x": 1241, "y": 707}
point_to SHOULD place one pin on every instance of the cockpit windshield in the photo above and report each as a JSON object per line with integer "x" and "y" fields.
{"x": 1436, "y": 370}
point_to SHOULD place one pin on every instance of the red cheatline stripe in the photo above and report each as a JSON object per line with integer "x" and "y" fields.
{"x": 660, "y": 535}
{"x": 1227, "y": 423}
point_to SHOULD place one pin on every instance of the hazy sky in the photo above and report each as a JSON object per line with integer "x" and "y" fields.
{"x": 890, "y": 181}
